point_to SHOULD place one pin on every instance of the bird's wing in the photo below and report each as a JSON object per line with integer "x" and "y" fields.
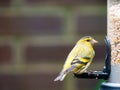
{"x": 81, "y": 64}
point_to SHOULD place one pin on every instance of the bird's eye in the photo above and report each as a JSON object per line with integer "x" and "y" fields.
{"x": 88, "y": 40}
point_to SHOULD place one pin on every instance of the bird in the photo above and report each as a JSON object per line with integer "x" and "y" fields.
{"x": 79, "y": 59}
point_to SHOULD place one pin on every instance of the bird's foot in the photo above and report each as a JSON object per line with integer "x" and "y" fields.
{"x": 90, "y": 71}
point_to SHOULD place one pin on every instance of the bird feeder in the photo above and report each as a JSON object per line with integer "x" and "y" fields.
{"x": 113, "y": 33}
{"x": 111, "y": 70}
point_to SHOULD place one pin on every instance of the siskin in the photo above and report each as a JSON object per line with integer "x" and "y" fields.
{"x": 79, "y": 58}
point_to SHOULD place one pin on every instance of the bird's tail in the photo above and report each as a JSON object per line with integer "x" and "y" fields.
{"x": 60, "y": 77}
{"x": 63, "y": 73}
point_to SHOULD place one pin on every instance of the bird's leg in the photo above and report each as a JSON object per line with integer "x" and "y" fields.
{"x": 85, "y": 71}
{"x": 90, "y": 71}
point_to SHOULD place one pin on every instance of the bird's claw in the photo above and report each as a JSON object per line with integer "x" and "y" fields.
{"x": 90, "y": 71}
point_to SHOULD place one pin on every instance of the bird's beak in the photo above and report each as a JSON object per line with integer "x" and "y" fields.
{"x": 94, "y": 41}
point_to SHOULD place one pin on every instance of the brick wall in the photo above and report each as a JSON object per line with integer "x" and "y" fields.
{"x": 37, "y": 35}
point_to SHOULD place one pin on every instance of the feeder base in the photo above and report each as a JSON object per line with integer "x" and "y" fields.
{"x": 110, "y": 86}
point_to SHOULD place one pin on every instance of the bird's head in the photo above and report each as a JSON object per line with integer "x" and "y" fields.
{"x": 87, "y": 39}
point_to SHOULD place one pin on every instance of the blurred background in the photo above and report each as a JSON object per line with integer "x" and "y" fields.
{"x": 36, "y": 37}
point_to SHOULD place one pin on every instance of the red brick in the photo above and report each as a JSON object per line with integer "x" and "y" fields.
{"x": 46, "y": 54}
{"x": 91, "y": 25}
{"x": 39, "y": 54}
{"x": 65, "y": 2}
{"x": 29, "y": 82}
{"x": 27, "y": 25}
{"x": 5, "y": 3}
{"x": 5, "y": 54}
{"x": 5, "y": 25}
{"x": 100, "y": 52}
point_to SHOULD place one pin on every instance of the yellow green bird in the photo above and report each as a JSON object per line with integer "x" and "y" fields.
{"x": 79, "y": 58}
